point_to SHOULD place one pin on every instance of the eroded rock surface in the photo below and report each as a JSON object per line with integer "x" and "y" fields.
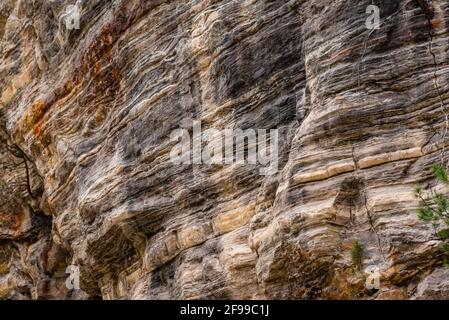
{"x": 360, "y": 115}
{"x": 435, "y": 286}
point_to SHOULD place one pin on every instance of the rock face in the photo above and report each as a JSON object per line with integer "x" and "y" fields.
{"x": 360, "y": 115}
{"x": 435, "y": 286}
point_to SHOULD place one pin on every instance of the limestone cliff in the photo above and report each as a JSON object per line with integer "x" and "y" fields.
{"x": 87, "y": 115}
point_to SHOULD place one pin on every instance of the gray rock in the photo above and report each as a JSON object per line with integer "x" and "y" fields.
{"x": 359, "y": 117}
{"x": 435, "y": 286}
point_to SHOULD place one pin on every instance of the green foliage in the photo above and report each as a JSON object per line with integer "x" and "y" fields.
{"x": 435, "y": 209}
{"x": 444, "y": 247}
{"x": 356, "y": 253}
{"x": 443, "y": 234}
{"x": 446, "y": 262}
{"x": 418, "y": 190}
{"x": 440, "y": 173}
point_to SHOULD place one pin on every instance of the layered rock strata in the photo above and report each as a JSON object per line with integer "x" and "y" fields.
{"x": 360, "y": 115}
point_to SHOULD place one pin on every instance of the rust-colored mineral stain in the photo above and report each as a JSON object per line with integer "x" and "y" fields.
{"x": 33, "y": 116}
{"x": 18, "y": 219}
{"x": 97, "y": 68}
{"x": 36, "y": 113}
{"x": 117, "y": 74}
{"x": 438, "y": 22}
{"x": 38, "y": 129}
{"x": 100, "y": 115}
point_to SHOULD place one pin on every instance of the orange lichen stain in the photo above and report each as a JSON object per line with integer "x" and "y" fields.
{"x": 117, "y": 74}
{"x": 32, "y": 117}
{"x": 33, "y": 121}
{"x": 95, "y": 60}
{"x": 438, "y": 22}
{"x": 43, "y": 138}
{"x": 12, "y": 220}
{"x": 35, "y": 113}
{"x": 107, "y": 81}
{"x": 100, "y": 115}
{"x": 38, "y": 129}
{"x": 18, "y": 219}
{"x": 97, "y": 68}
{"x": 99, "y": 50}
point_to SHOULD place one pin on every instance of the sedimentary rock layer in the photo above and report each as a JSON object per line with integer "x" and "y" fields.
{"x": 360, "y": 115}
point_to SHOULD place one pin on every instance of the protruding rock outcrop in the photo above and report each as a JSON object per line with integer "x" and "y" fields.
{"x": 92, "y": 105}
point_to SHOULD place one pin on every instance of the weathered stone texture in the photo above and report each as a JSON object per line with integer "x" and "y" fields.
{"x": 360, "y": 115}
